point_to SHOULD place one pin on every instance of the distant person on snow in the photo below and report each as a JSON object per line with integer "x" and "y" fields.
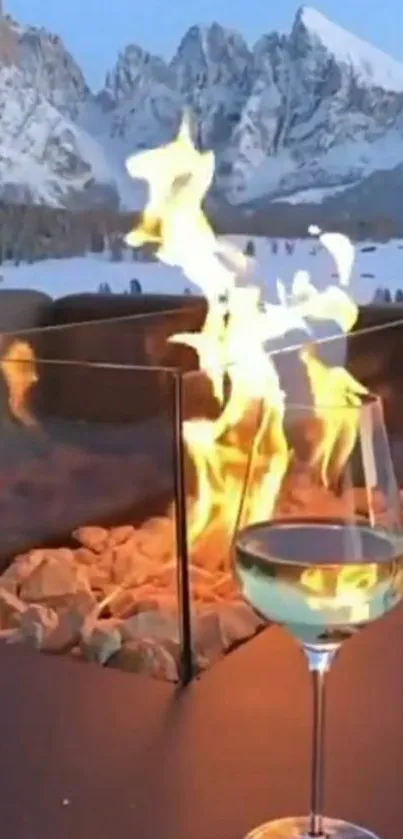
{"x": 135, "y": 287}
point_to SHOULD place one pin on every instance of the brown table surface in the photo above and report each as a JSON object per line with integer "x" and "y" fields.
{"x": 89, "y": 753}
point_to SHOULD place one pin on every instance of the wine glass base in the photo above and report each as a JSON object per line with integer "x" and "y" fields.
{"x": 298, "y": 828}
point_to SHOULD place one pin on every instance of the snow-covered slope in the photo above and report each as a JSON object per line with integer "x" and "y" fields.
{"x": 309, "y": 113}
{"x": 369, "y": 64}
{"x": 45, "y": 157}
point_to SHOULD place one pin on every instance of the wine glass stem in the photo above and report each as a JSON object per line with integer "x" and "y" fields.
{"x": 319, "y": 662}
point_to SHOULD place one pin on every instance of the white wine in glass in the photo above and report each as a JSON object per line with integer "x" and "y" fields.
{"x": 324, "y": 578}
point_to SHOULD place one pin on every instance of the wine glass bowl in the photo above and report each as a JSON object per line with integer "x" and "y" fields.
{"x": 328, "y": 558}
{"x": 320, "y": 578}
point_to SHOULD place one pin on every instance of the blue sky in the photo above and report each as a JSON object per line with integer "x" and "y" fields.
{"x": 95, "y": 30}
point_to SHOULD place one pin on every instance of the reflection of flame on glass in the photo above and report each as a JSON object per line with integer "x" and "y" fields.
{"x": 231, "y": 344}
{"x": 19, "y": 370}
{"x": 346, "y": 588}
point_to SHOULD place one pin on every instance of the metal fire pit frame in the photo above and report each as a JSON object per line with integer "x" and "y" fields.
{"x": 187, "y": 669}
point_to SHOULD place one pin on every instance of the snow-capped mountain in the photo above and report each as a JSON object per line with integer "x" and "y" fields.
{"x": 46, "y": 155}
{"x": 300, "y": 117}
{"x": 50, "y": 68}
{"x": 325, "y": 109}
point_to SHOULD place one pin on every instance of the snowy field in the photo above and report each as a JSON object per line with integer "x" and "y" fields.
{"x": 381, "y": 266}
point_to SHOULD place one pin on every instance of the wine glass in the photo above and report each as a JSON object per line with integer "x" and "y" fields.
{"x": 327, "y": 559}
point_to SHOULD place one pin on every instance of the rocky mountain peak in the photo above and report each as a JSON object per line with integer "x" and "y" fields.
{"x": 49, "y": 67}
{"x": 135, "y": 69}
{"x": 312, "y": 111}
{"x": 213, "y": 73}
{"x": 322, "y": 111}
{"x": 209, "y": 55}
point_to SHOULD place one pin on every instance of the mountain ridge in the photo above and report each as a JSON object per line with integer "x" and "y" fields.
{"x": 317, "y": 109}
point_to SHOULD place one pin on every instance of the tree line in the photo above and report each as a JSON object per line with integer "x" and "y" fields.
{"x": 291, "y": 221}
{"x": 30, "y": 233}
{"x": 33, "y": 232}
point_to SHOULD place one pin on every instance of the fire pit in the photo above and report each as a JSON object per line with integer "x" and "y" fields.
{"x": 94, "y": 547}
{"x": 115, "y": 539}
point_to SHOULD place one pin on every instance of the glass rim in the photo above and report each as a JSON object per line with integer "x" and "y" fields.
{"x": 300, "y": 521}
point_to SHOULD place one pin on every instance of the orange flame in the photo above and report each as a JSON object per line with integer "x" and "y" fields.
{"x": 231, "y": 344}
{"x": 18, "y": 366}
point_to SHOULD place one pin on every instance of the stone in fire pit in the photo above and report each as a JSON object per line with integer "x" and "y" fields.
{"x": 112, "y": 599}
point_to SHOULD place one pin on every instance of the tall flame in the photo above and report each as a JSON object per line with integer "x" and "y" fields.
{"x": 231, "y": 344}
